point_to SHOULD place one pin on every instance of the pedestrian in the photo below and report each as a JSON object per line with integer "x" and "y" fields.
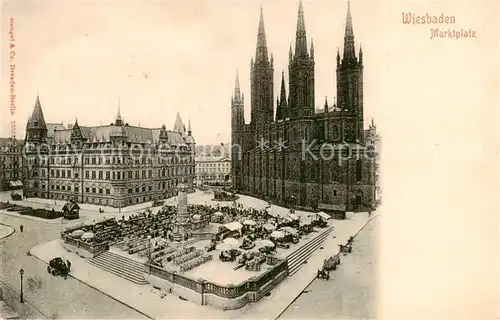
{"x": 69, "y": 265}
{"x": 21, "y": 228}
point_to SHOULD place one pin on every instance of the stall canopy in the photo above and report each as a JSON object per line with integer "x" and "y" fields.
{"x": 277, "y": 234}
{"x": 324, "y": 215}
{"x": 289, "y": 230}
{"x": 224, "y": 246}
{"x": 16, "y": 183}
{"x": 293, "y": 216}
{"x": 87, "y": 235}
{"x": 231, "y": 241}
{"x": 269, "y": 226}
{"x": 232, "y": 226}
{"x": 265, "y": 243}
{"x": 249, "y": 222}
{"x": 218, "y": 213}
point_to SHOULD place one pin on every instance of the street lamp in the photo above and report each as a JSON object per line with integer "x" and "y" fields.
{"x": 21, "y": 298}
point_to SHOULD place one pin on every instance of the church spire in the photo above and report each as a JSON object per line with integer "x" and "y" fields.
{"x": 300, "y": 36}
{"x": 283, "y": 90}
{"x": 261, "y": 53}
{"x": 189, "y": 126}
{"x": 237, "y": 91}
{"x": 349, "y": 51}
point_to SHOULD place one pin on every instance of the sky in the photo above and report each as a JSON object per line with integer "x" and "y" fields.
{"x": 161, "y": 58}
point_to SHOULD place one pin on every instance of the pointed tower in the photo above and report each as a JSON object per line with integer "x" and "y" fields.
{"x": 119, "y": 120}
{"x": 349, "y": 50}
{"x": 237, "y": 107}
{"x": 301, "y": 71}
{"x": 350, "y": 85}
{"x": 189, "y": 127}
{"x": 178, "y": 125}
{"x": 282, "y": 109}
{"x": 76, "y": 132}
{"x": 36, "y": 128}
{"x": 262, "y": 108}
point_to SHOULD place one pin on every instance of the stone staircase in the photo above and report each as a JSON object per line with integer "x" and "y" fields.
{"x": 297, "y": 258}
{"x": 120, "y": 266}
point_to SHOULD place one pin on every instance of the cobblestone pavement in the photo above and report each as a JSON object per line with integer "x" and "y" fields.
{"x": 52, "y": 296}
{"x": 351, "y": 291}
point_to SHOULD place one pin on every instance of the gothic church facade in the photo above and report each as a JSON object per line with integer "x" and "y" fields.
{"x": 297, "y": 155}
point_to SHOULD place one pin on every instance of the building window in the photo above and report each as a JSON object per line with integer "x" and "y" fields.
{"x": 100, "y": 175}
{"x": 359, "y": 170}
{"x": 100, "y": 190}
{"x": 93, "y": 190}
{"x": 334, "y": 193}
{"x": 107, "y": 175}
{"x": 87, "y": 190}
{"x": 93, "y": 175}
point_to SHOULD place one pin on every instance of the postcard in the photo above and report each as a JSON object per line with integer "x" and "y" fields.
{"x": 326, "y": 159}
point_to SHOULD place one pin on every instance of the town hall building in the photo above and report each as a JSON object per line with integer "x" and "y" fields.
{"x": 111, "y": 165}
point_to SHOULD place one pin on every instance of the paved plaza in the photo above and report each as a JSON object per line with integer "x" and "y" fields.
{"x": 87, "y": 292}
{"x": 351, "y": 291}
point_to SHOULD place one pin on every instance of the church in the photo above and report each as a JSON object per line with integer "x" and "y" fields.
{"x": 294, "y": 154}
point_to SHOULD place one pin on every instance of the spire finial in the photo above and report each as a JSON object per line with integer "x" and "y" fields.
{"x": 312, "y": 48}
{"x": 119, "y": 115}
{"x": 300, "y": 36}
{"x": 349, "y": 35}
{"x": 237, "y": 84}
{"x": 261, "y": 54}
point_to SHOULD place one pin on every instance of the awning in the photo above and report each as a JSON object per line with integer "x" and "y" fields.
{"x": 235, "y": 225}
{"x": 293, "y": 216}
{"x": 324, "y": 215}
{"x": 332, "y": 207}
{"x": 268, "y": 226}
{"x": 12, "y": 184}
{"x": 19, "y": 183}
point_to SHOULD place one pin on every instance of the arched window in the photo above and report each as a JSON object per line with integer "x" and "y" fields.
{"x": 359, "y": 170}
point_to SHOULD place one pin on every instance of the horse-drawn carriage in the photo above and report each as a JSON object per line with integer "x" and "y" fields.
{"x": 329, "y": 264}
{"x": 57, "y": 267}
{"x": 323, "y": 274}
{"x": 347, "y": 248}
{"x": 16, "y": 196}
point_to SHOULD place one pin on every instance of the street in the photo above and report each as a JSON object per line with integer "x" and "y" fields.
{"x": 351, "y": 291}
{"x": 52, "y": 296}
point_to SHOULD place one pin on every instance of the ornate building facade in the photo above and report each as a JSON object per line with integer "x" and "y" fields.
{"x": 114, "y": 165}
{"x": 10, "y": 164}
{"x": 299, "y": 155}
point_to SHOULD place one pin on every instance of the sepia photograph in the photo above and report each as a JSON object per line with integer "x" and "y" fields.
{"x": 202, "y": 159}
